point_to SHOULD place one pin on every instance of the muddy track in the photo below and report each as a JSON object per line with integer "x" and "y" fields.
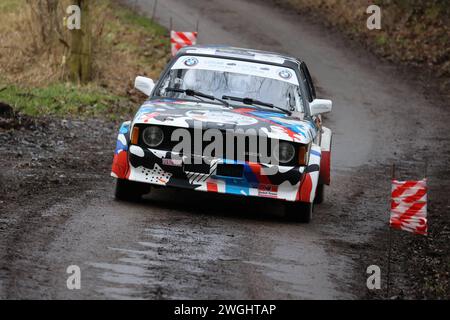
{"x": 58, "y": 209}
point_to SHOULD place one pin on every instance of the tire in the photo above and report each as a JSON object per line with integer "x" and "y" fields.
{"x": 320, "y": 194}
{"x": 130, "y": 190}
{"x": 299, "y": 211}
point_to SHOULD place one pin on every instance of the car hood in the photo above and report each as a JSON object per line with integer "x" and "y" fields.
{"x": 189, "y": 114}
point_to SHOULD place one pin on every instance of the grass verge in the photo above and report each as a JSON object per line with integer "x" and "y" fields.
{"x": 65, "y": 99}
{"x": 32, "y": 77}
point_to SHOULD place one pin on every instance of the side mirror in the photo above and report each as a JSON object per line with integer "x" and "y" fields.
{"x": 145, "y": 85}
{"x": 320, "y": 106}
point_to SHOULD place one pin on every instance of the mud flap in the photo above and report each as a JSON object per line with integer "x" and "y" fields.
{"x": 325, "y": 160}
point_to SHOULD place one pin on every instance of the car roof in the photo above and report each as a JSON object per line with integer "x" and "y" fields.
{"x": 239, "y": 53}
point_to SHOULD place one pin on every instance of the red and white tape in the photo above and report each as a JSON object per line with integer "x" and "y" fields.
{"x": 409, "y": 206}
{"x": 182, "y": 39}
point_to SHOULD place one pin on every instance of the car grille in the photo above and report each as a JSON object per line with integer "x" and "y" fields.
{"x": 249, "y": 153}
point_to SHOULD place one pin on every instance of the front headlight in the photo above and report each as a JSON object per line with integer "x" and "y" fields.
{"x": 286, "y": 152}
{"x": 152, "y": 136}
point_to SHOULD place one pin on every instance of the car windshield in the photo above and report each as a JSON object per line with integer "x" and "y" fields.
{"x": 265, "y": 83}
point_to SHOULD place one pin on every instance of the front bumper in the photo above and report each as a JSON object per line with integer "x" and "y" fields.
{"x": 268, "y": 181}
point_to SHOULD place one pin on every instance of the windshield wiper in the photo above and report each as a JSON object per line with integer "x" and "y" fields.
{"x": 250, "y": 101}
{"x": 198, "y": 94}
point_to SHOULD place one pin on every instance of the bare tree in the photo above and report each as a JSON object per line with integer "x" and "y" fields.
{"x": 80, "y": 59}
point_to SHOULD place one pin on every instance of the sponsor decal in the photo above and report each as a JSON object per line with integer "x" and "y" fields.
{"x": 172, "y": 162}
{"x": 221, "y": 117}
{"x": 268, "y": 191}
{"x": 190, "y": 62}
{"x": 285, "y": 74}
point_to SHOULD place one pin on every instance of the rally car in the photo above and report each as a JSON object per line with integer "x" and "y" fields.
{"x": 228, "y": 120}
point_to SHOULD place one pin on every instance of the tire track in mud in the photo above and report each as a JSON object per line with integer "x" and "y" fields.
{"x": 177, "y": 250}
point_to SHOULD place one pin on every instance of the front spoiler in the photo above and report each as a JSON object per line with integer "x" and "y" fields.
{"x": 258, "y": 180}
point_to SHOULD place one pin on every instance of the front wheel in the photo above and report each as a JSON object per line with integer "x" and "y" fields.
{"x": 320, "y": 194}
{"x": 299, "y": 211}
{"x": 127, "y": 190}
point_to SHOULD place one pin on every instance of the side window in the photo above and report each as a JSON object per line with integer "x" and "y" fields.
{"x": 308, "y": 82}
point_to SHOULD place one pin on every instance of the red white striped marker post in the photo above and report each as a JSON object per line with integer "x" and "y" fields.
{"x": 408, "y": 211}
{"x": 182, "y": 39}
{"x": 409, "y": 206}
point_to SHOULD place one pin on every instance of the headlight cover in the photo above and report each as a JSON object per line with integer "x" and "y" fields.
{"x": 153, "y": 136}
{"x": 286, "y": 152}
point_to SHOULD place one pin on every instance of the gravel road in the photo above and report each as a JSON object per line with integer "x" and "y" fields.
{"x": 57, "y": 196}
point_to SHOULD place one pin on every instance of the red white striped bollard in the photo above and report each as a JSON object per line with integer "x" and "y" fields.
{"x": 182, "y": 39}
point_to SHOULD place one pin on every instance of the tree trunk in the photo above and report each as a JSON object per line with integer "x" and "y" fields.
{"x": 80, "y": 60}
